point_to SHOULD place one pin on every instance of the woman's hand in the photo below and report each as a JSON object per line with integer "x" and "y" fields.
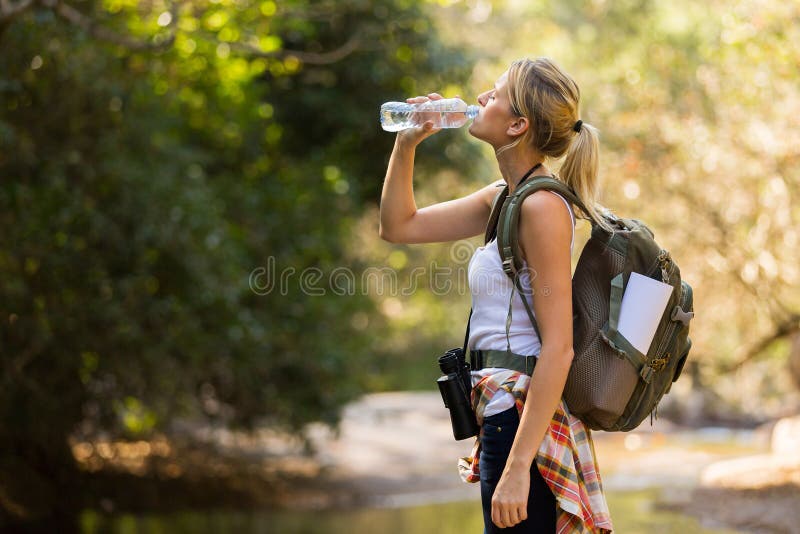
{"x": 414, "y": 136}
{"x": 510, "y": 499}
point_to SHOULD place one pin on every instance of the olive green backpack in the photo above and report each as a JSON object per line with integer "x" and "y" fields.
{"x": 611, "y": 385}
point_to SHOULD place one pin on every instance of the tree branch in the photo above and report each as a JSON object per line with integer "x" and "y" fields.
{"x": 102, "y": 33}
{"x": 311, "y": 58}
{"x": 773, "y": 306}
{"x": 787, "y": 324}
{"x": 14, "y": 369}
{"x": 784, "y": 329}
{"x": 319, "y": 10}
{"x": 9, "y": 11}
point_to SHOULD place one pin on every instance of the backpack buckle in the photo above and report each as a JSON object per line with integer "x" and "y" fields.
{"x": 679, "y": 315}
{"x": 647, "y": 373}
{"x": 508, "y": 267}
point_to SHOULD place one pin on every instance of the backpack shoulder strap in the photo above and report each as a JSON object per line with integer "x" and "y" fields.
{"x": 508, "y": 222}
{"x": 508, "y": 230}
{"x": 497, "y": 205}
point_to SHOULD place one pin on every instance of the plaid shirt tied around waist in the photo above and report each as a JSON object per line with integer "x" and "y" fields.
{"x": 566, "y": 458}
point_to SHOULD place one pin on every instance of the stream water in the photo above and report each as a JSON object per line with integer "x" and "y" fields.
{"x": 633, "y": 512}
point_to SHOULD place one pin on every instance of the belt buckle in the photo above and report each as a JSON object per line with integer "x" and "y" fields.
{"x": 478, "y": 359}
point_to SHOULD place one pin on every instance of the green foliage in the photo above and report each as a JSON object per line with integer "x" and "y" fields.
{"x": 141, "y": 188}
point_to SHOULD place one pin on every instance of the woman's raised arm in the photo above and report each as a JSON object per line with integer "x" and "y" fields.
{"x": 402, "y": 222}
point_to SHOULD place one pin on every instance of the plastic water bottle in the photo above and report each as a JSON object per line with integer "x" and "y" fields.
{"x": 445, "y": 113}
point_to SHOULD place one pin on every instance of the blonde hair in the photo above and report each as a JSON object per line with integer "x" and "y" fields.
{"x": 548, "y": 97}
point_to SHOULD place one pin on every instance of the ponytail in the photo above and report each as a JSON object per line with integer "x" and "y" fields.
{"x": 580, "y": 170}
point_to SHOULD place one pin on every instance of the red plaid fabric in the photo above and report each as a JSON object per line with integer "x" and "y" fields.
{"x": 566, "y": 458}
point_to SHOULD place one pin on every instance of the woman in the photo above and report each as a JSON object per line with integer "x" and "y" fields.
{"x": 530, "y": 480}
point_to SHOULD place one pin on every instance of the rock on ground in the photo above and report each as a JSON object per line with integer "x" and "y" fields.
{"x": 758, "y": 493}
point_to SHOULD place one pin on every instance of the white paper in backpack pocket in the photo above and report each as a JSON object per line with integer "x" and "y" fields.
{"x": 643, "y": 305}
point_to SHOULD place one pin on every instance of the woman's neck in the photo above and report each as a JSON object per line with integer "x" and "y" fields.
{"x": 513, "y": 166}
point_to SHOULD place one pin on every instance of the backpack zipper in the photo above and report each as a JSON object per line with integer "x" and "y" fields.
{"x": 670, "y": 331}
{"x": 661, "y": 261}
{"x": 683, "y": 303}
{"x": 684, "y": 298}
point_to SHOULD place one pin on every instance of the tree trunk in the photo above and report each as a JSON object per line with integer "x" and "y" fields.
{"x": 794, "y": 359}
{"x": 39, "y": 487}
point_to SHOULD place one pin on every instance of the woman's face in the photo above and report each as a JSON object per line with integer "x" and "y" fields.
{"x": 495, "y": 115}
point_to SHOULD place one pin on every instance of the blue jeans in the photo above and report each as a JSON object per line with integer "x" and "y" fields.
{"x": 498, "y": 436}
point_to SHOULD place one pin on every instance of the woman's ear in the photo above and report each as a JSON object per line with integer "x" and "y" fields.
{"x": 517, "y": 127}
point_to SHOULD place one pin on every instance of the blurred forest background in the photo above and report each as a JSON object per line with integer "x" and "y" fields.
{"x": 161, "y": 161}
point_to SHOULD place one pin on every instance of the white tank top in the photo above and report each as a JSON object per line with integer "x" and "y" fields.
{"x": 491, "y": 289}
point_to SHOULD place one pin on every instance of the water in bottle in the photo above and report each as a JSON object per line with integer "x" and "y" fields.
{"x": 445, "y": 113}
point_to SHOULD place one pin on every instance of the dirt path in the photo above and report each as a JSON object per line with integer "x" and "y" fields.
{"x": 397, "y": 449}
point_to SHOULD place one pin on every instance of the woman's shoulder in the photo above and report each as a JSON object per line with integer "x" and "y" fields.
{"x": 544, "y": 217}
{"x": 546, "y": 205}
{"x": 546, "y": 227}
